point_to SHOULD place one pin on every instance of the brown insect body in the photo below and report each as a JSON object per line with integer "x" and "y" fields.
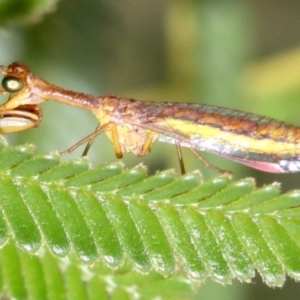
{"x": 133, "y": 126}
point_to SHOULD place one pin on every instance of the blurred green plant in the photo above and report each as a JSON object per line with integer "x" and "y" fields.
{"x": 15, "y": 11}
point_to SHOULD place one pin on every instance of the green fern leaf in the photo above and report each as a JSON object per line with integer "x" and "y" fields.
{"x": 120, "y": 222}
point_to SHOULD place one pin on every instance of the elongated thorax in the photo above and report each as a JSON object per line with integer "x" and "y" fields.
{"x": 121, "y": 114}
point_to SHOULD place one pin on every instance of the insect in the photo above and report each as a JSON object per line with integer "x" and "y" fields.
{"x": 133, "y": 126}
{"x": 21, "y": 118}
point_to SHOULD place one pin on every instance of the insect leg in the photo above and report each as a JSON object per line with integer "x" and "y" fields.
{"x": 88, "y": 138}
{"x": 90, "y": 142}
{"x": 148, "y": 144}
{"x": 209, "y": 165}
{"x": 180, "y": 158}
{"x": 116, "y": 142}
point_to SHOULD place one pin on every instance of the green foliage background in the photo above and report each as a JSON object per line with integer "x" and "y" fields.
{"x": 214, "y": 52}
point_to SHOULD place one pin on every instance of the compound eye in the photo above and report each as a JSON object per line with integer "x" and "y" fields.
{"x": 12, "y": 84}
